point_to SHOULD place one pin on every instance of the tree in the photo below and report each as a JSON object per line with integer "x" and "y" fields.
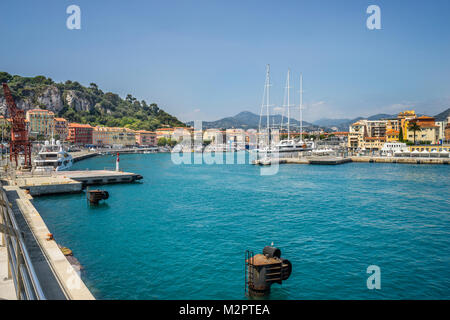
{"x": 400, "y": 134}
{"x": 162, "y": 142}
{"x": 414, "y": 127}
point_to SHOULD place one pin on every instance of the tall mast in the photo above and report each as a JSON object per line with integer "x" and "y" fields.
{"x": 265, "y": 102}
{"x": 288, "y": 104}
{"x": 268, "y": 95}
{"x": 301, "y": 107}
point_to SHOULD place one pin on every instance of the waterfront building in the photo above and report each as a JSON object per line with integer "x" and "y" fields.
{"x": 441, "y": 128}
{"x": 404, "y": 118}
{"x": 180, "y": 133}
{"x": 447, "y": 130}
{"x": 80, "y": 133}
{"x": 235, "y": 136}
{"x": 390, "y": 148}
{"x": 113, "y": 136}
{"x": 340, "y": 134}
{"x": 214, "y": 135}
{"x": 393, "y": 124}
{"x": 428, "y": 133}
{"x": 443, "y": 148}
{"x": 392, "y": 135}
{"x": 376, "y": 128}
{"x": 146, "y": 138}
{"x": 356, "y": 134}
{"x": 61, "y": 128}
{"x": 164, "y": 133}
{"x": 374, "y": 143}
{"x": 41, "y": 121}
{"x": 251, "y": 138}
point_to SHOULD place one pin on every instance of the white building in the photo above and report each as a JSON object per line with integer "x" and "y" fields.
{"x": 390, "y": 148}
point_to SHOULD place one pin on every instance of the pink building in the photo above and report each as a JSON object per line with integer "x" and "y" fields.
{"x": 146, "y": 138}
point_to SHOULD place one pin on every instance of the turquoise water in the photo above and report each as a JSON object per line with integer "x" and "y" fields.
{"x": 183, "y": 231}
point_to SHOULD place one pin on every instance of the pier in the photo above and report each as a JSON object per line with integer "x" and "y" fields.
{"x": 34, "y": 266}
{"x": 305, "y": 160}
{"x": 68, "y": 181}
{"x": 325, "y": 160}
{"x": 403, "y": 160}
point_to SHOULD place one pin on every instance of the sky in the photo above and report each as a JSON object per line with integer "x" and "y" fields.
{"x": 204, "y": 60}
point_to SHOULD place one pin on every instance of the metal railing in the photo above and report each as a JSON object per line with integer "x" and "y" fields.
{"x": 20, "y": 267}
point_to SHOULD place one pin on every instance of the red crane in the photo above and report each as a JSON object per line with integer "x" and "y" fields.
{"x": 19, "y": 144}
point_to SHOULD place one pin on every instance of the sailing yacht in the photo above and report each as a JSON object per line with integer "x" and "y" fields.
{"x": 293, "y": 145}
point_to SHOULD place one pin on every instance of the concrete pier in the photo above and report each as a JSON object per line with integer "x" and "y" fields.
{"x": 69, "y": 181}
{"x": 95, "y": 177}
{"x": 58, "y": 279}
{"x": 339, "y": 160}
{"x": 403, "y": 160}
{"x": 306, "y": 160}
{"x": 7, "y": 290}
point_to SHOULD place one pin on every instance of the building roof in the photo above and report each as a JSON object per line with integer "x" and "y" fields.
{"x": 165, "y": 129}
{"x": 79, "y": 125}
{"x": 40, "y": 110}
{"x": 60, "y": 119}
{"x": 340, "y": 133}
{"x": 424, "y": 118}
{"x": 392, "y": 131}
{"x": 375, "y": 138}
{"x": 145, "y": 131}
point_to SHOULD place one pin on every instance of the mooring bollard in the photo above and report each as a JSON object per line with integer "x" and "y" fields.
{"x": 263, "y": 270}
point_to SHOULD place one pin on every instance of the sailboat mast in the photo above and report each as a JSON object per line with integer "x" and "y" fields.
{"x": 301, "y": 107}
{"x": 268, "y": 95}
{"x": 288, "y": 104}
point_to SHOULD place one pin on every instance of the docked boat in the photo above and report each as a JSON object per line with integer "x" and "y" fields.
{"x": 292, "y": 145}
{"x": 53, "y": 157}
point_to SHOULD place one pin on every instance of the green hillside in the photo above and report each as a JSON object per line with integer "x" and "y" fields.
{"x": 91, "y": 105}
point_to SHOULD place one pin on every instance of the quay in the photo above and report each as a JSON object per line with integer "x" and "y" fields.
{"x": 404, "y": 160}
{"x": 32, "y": 266}
{"x": 81, "y": 155}
{"x": 305, "y": 160}
{"x": 68, "y": 181}
{"x": 341, "y": 160}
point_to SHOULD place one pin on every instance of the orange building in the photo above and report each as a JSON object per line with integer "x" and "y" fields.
{"x": 392, "y": 135}
{"x": 80, "y": 133}
{"x": 61, "y": 128}
{"x": 146, "y": 138}
{"x": 447, "y": 132}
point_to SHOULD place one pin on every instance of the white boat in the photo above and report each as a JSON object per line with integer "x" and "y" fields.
{"x": 291, "y": 145}
{"x": 52, "y": 157}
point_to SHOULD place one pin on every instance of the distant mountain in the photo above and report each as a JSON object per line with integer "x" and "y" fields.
{"x": 325, "y": 122}
{"x": 249, "y": 120}
{"x": 344, "y": 124}
{"x": 443, "y": 115}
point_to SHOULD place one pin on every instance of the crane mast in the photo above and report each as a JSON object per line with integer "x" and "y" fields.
{"x": 19, "y": 144}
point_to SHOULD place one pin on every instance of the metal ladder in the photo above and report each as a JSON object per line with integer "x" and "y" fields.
{"x": 248, "y": 271}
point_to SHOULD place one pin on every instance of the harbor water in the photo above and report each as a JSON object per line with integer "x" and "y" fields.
{"x": 182, "y": 232}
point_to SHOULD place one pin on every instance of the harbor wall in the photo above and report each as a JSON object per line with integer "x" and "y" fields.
{"x": 68, "y": 278}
